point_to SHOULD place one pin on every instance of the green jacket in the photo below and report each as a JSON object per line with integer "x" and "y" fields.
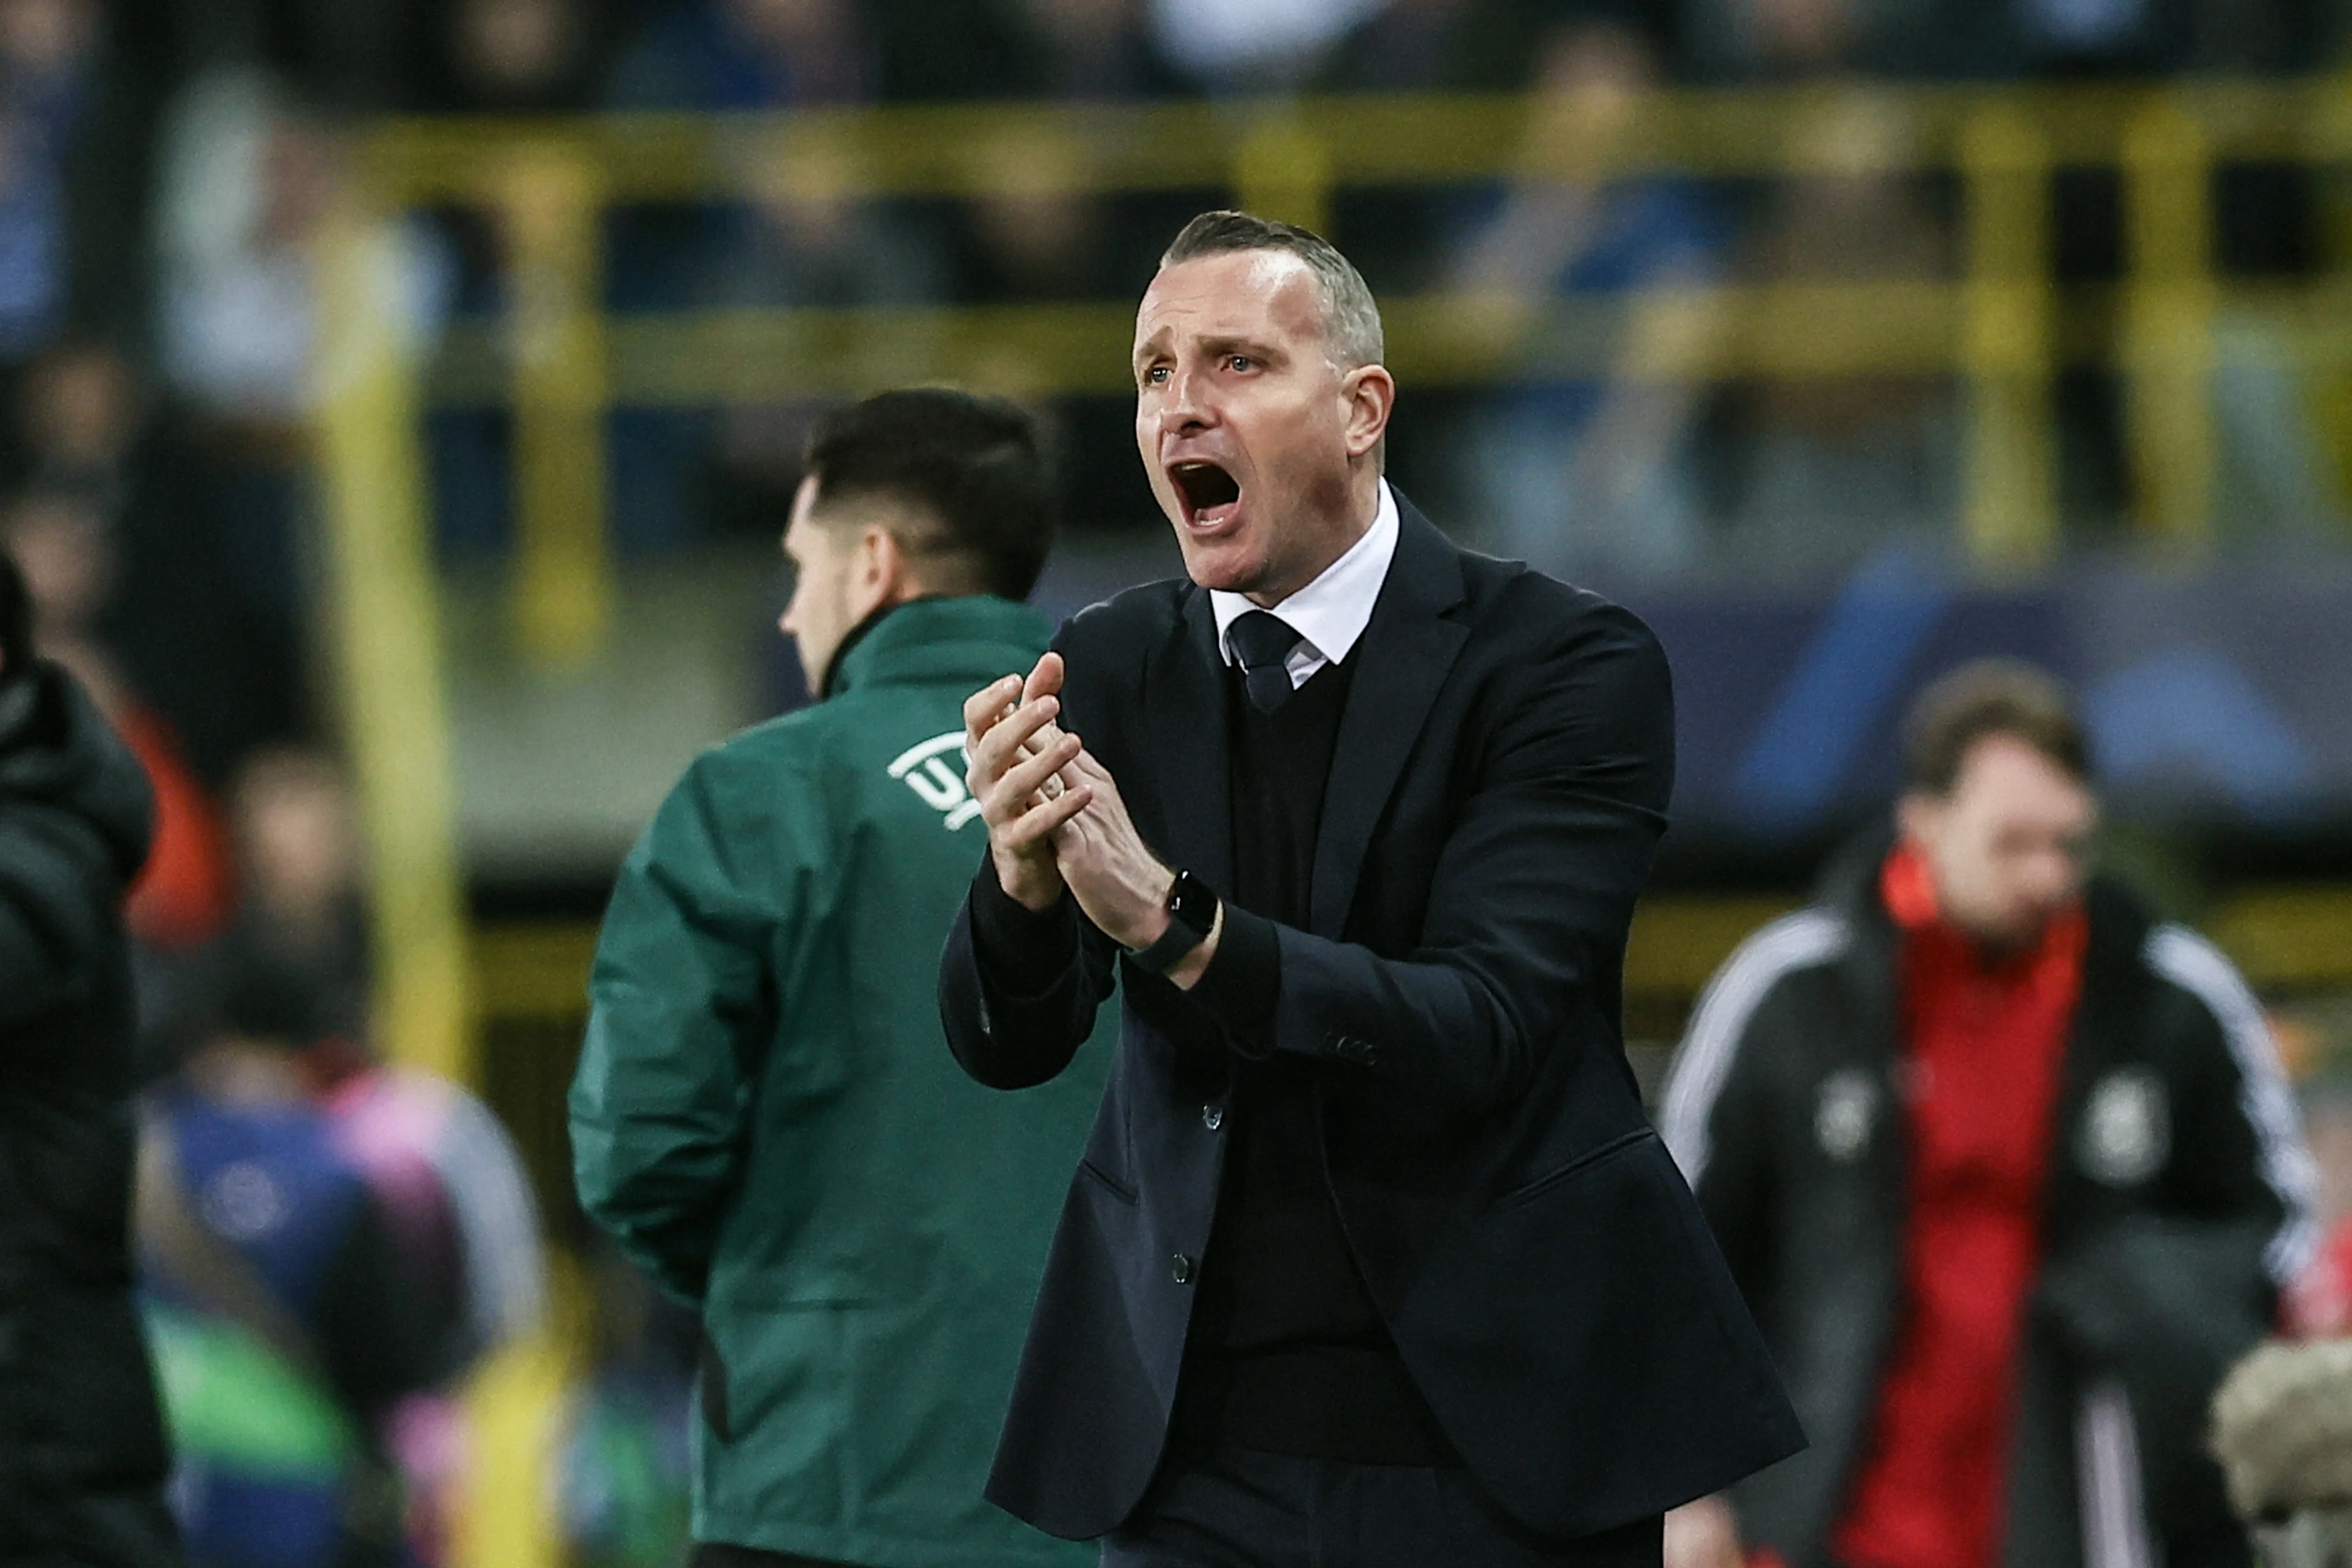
{"x": 767, "y": 1117}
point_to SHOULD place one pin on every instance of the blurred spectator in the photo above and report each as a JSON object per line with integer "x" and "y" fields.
{"x": 1036, "y": 231}
{"x": 352, "y": 53}
{"x": 180, "y": 579}
{"x": 444, "y": 1174}
{"x": 804, "y": 237}
{"x": 1094, "y": 51}
{"x": 68, "y": 553}
{"x": 514, "y": 57}
{"x": 83, "y": 1442}
{"x": 252, "y": 177}
{"x": 1241, "y": 46}
{"x": 289, "y": 1327}
{"x": 250, "y": 183}
{"x": 2007, "y": 1168}
{"x": 1744, "y": 40}
{"x": 1405, "y": 238}
{"x": 298, "y": 877}
{"x": 1590, "y": 475}
{"x": 1828, "y": 467}
{"x": 750, "y": 53}
{"x": 1454, "y": 46}
{"x": 45, "y": 53}
{"x": 807, "y": 238}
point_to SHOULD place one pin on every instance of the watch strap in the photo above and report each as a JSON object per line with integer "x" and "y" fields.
{"x": 1180, "y": 937}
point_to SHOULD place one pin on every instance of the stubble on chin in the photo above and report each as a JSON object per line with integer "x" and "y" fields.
{"x": 1223, "y": 570}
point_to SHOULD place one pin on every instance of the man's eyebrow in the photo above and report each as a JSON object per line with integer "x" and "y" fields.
{"x": 1235, "y": 343}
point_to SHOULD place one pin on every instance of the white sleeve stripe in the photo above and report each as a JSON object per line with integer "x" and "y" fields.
{"x": 2197, "y": 967}
{"x": 2113, "y": 1491}
{"x": 1696, "y": 1075}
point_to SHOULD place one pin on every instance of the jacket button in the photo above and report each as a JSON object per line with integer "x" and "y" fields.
{"x": 1213, "y": 1117}
{"x": 1181, "y": 1268}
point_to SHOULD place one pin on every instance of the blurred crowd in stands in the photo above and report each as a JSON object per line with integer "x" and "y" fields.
{"x": 168, "y": 162}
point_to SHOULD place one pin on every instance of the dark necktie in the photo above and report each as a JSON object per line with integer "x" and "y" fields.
{"x": 1261, "y": 642}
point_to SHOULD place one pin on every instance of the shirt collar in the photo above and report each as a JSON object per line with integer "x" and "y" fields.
{"x": 1331, "y": 612}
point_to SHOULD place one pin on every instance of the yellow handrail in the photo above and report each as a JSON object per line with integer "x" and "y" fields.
{"x": 2169, "y": 348}
{"x": 384, "y": 624}
{"x": 2010, "y": 514}
{"x": 549, "y": 200}
{"x": 1996, "y": 327}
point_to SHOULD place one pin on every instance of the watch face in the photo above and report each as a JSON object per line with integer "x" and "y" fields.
{"x": 1192, "y": 905}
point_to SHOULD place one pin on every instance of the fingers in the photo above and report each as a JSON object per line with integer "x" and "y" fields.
{"x": 1006, "y": 740}
{"x": 984, "y": 707}
{"x": 1045, "y": 679}
{"x": 1009, "y": 795}
{"x": 1084, "y": 768}
{"x": 1042, "y": 819}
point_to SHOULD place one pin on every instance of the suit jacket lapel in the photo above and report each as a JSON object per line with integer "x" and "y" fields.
{"x": 1191, "y": 749}
{"x": 1407, "y": 651}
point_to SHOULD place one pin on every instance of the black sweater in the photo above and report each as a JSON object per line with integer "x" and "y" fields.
{"x": 1288, "y": 1352}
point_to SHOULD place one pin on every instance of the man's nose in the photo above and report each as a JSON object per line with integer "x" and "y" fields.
{"x": 1187, "y": 406}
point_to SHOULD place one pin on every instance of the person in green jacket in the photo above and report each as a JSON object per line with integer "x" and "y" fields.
{"x": 766, "y": 1115}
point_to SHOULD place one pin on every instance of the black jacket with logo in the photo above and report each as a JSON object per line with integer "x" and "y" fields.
{"x": 83, "y": 1454}
{"x": 2175, "y": 1207}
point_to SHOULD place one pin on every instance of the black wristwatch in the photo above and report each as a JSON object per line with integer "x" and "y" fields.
{"x": 1191, "y": 915}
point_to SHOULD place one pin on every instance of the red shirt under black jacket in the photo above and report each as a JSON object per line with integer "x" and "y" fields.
{"x": 1985, "y": 1038}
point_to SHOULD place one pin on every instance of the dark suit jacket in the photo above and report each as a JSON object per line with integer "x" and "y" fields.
{"x": 1499, "y": 783}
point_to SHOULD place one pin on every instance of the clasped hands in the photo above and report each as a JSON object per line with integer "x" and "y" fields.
{"x": 1056, "y": 822}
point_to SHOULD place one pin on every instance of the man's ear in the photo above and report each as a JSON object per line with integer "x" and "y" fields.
{"x": 1371, "y": 392}
{"x": 880, "y": 573}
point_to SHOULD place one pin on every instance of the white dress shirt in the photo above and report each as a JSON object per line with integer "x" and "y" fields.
{"x": 1330, "y": 612}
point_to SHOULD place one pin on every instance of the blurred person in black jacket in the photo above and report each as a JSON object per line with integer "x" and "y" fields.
{"x": 2007, "y": 1169}
{"x": 82, "y": 1456}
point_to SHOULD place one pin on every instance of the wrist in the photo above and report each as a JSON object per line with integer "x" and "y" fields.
{"x": 1034, "y": 886}
{"x": 1152, "y": 920}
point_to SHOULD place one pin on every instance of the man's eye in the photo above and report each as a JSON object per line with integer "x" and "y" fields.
{"x": 1239, "y": 361}
{"x": 1156, "y": 375}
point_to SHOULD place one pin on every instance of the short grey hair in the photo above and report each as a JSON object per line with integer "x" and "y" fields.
{"x": 1351, "y": 321}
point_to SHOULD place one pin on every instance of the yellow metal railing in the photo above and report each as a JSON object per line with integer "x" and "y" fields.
{"x": 1996, "y": 327}
{"x": 386, "y": 654}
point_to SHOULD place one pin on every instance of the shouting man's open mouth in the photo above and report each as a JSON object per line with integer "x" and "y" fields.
{"x": 1210, "y": 495}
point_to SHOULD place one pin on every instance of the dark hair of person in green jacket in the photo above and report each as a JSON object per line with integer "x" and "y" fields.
{"x": 766, "y": 1117}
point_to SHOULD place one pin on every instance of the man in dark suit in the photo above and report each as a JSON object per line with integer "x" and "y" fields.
{"x": 1372, "y": 1257}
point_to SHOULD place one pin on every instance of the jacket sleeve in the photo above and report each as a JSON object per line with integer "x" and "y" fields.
{"x": 2239, "y": 1154}
{"x": 1721, "y": 1108}
{"x": 1018, "y": 991}
{"x": 59, "y": 892}
{"x": 682, "y": 1011}
{"x": 1526, "y": 921}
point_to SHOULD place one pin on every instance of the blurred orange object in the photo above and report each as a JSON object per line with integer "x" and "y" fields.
{"x": 181, "y": 895}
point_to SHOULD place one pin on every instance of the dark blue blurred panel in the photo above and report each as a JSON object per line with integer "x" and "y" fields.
{"x": 2223, "y": 698}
